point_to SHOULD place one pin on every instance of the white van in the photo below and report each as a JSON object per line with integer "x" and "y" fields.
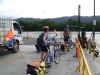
{"x": 10, "y": 43}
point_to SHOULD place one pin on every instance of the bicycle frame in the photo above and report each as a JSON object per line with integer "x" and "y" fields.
{"x": 71, "y": 43}
{"x": 51, "y": 54}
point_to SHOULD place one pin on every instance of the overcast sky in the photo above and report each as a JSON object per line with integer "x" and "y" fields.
{"x": 47, "y": 8}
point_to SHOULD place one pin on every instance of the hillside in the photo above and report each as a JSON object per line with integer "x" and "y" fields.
{"x": 62, "y": 19}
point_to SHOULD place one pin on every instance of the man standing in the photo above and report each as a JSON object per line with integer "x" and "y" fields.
{"x": 66, "y": 35}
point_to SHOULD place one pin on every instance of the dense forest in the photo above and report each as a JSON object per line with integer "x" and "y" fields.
{"x": 37, "y": 25}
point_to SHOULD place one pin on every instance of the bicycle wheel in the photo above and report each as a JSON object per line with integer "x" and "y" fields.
{"x": 60, "y": 51}
{"x": 47, "y": 60}
{"x": 72, "y": 45}
{"x": 59, "y": 48}
{"x": 57, "y": 56}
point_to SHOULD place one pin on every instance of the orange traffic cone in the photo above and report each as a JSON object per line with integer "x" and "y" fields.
{"x": 9, "y": 34}
{"x": 54, "y": 31}
{"x": 76, "y": 41}
{"x": 61, "y": 35}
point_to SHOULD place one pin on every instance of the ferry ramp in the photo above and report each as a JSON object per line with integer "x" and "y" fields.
{"x": 68, "y": 64}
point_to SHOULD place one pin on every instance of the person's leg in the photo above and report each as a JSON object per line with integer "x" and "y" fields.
{"x": 46, "y": 50}
{"x": 42, "y": 55}
{"x": 46, "y": 53}
{"x": 42, "y": 52}
{"x": 66, "y": 43}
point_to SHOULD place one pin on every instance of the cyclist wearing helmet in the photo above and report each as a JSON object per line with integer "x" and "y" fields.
{"x": 44, "y": 49}
{"x": 66, "y": 35}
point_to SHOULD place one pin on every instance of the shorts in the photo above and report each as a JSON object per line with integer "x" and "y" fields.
{"x": 66, "y": 39}
{"x": 44, "y": 48}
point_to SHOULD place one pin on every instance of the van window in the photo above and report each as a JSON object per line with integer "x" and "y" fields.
{"x": 17, "y": 27}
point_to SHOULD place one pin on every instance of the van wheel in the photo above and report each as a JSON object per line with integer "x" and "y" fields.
{"x": 15, "y": 48}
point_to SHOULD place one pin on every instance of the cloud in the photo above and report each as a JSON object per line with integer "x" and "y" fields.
{"x": 46, "y": 8}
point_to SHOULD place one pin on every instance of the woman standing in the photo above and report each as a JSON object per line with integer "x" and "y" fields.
{"x": 44, "y": 43}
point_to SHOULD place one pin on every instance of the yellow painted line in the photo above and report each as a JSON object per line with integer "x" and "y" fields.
{"x": 15, "y": 56}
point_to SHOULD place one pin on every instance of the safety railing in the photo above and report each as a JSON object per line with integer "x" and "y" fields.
{"x": 83, "y": 67}
{"x": 94, "y": 48}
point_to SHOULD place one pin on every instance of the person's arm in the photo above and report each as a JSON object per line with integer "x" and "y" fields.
{"x": 65, "y": 34}
{"x": 69, "y": 35}
{"x": 44, "y": 38}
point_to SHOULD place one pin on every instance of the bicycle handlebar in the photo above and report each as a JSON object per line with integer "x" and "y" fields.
{"x": 52, "y": 38}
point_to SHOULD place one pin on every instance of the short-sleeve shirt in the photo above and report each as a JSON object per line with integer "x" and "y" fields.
{"x": 43, "y": 43}
{"x": 67, "y": 33}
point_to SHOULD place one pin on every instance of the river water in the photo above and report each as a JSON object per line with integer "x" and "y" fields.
{"x": 35, "y": 34}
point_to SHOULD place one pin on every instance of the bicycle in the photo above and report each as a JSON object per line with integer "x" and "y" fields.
{"x": 52, "y": 40}
{"x": 64, "y": 47}
{"x": 56, "y": 48}
{"x": 53, "y": 56}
